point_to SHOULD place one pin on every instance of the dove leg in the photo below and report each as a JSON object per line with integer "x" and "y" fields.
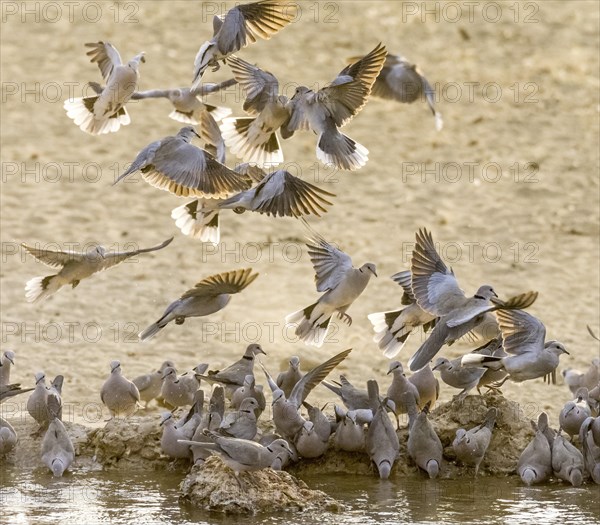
{"x": 345, "y": 318}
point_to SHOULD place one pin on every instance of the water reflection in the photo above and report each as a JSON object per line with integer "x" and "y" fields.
{"x": 33, "y": 496}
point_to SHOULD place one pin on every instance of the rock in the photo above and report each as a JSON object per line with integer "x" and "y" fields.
{"x": 213, "y": 486}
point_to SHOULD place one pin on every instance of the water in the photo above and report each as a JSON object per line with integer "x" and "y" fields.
{"x": 115, "y": 497}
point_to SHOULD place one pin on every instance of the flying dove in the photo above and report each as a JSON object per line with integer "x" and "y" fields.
{"x": 342, "y": 284}
{"x": 249, "y": 389}
{"x": 535, "y": 462}
{"x": 287, "y": 380}
{"x": 175, "y": 165}
{"x": 105, "y": 112}
{"x": 591, "y": 447}
{"x": 57, "y": 448}
{"x": 400, "y": 387}
{"x": 349, "y": 434}
{"x": 573, "y": 379}
{"x": 381, "y": 441}
{"x": 7, "y": 360}
{"x": 240, "y": 454}
{"x": 14, "y": 389}
{"x": 75, "y": 266}
{"x": 424, "y": 445}
{"x": 529, "y": 354}
{"x": 312, "y": 441}
{"x": 458, "y": 376}
{"x": 392, "y": 328}
{"x": 575, "y": 412}
{"x": 471, "y": 445}
{"x": 8, "y": 437}
{"x": 207, "y": 297}
{"x": 149, "y": 385}
{"x": 185, "y": 429}
{"x": 437, "y": 292}
{"x": 567, "y": 461}
{"x": 286, "y": 416}
{"x": 235, "y": 374}
{"x": 427, "y": 385}
{"x": 352, "y": 397}
{"x": 242, "y": 423}
{"x": 120, "y": 395}
{"x": 325, "y": 111}
{"x": 240, "y": 26}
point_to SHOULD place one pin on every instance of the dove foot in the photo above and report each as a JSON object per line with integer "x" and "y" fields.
{"x": 345, "y": 318}
{"x": 179, "y": 320}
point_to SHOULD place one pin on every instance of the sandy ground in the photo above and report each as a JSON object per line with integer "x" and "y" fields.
{"x": 509, "y": 187}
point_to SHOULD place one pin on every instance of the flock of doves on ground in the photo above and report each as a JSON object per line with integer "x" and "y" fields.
{"x": 515, "y": 345}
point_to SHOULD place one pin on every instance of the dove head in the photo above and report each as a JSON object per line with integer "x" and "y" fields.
{"x": 5, "y": 434}
{"x": 485, "y": 292}
{"x": 556, "y": 348}
{"x": 582, "y": 394}
{"x": 187, "y": 133}
{"x": 395, "y": 366}
{"x": 165, "y": 365}
{"x": 115, "y": 367}
{"x": 301, "y": 91}
{"x": 369, "y": 268}
{"x": 461, "y": 435}
{"x": 134, "y": 63}
{"x": 433, "y": 468}
{"x": 201, "y": 368}
{"x": 441, "y": 363}
{"x": 164, "y": 417}
{"x": 170, "y": 373}
{"x": 248, "y": 405}
{"x": 576, "y": 477}
{"x": 58, "y": 467}
{"x": 351, "y": 415}
{"x": 528, "y": 476}
{"x": 278, "y": 395}
{"x": 389, "y": 403}
{"x": 40, "y": 376}
{"x": 294, "y": 362}
{"x": 9, "y": 355}
{"x": 253, "y": 350}
{"x": 384, "y": 467}
{"x": 280, "y": 445}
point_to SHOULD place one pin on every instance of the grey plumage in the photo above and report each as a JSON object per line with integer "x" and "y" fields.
{"x": 535, "y": 462}
{"x": 57, "y": 448}
{"x": 312, "y": 441}
{"x": 7, "y": 391}
{"x": 352, "y": 397}
{"x": 8, "y": 437}
{"x": 287, "y": 380}
{"x": 120, "y": 395}
{"x": 184, "y": 429}
{"x": 567, "y": 461}
{"x": 7, "y": 360}
{"x": 400, "y": 387}
{"x": 591, "y": 448}
{"x": 491, "y": 376}
{"x": 471, "y": 445}
{"x": 427, "y": 385}
{"x": 207, "y": 297}
{"x": 211, "y": 421}
{"x": 575, "y": 412}
{"x": 149, "y": 385}
{"x": 242, "y": 423}
{"x": 75, "y": 266}
{"x": 349, "y": 433}
{"x": 249, "y": 389}
{"x": 37, "y": 403}
{"x": 175, "y": 390}
{"x": 424, "y": 445}
{"x": 458, "y": 376}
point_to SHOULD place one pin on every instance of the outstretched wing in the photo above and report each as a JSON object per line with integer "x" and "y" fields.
{"x": 114, "y": 258}
{"x": 54, "y": 259}
{"x": 259, "y": 86}
{"x": 105, "y": 55}
{"x": 521, "y": 332}
{"x": 222, "y": 283}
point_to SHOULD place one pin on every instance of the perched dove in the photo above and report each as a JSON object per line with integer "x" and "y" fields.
{"x": 312, "y": 441}
{"x": 381, "y": 441}
{"x": 75, "y": 266}
{"x": 120, "y": 395}
{"x": 234, "y": 375}
{"x": 242, "y": 423}
{"x": 427, "y": 385}
{"x": 15, "y": 389}
{"x": 567, "y": 461}
{"x": 211, "y": 421}
{"x": 7, "y": 360}
{"x": 393, "y": 327}
{"x": 185, "y": 429}
{"x": 535, "y": 462}
{"x": 286, "y": 416}
{"x": 240, "y": 26}
{"x": 249, "y": 389}
{"x": 529, "y": 355}
{"x": 331, "y": 107}
{"x": 287, "y": 380}
{"x": 8, "y": 437}
{"x": 57, "y": 448}
{"x": 575, "y": 412}
{"x": 352, "y": 397}
{"x": 37, "y": 404}
{"x": 175, "y": 165}
{"x": 458, "y": 376}
{"x": 591, "y": 447}
{"x": 424, "y": 445}
{"x": 400, "y": 387}
{"x": 471, "y": 445}
{"x": 349, "y": 434}
{"x": 437, "y": 292}
{"x": 342, "y": 284}
{"x": 105, "y": 112}
{"x": 149, "y": 385}
{"x": 207, "y": 297}
{"x": 176, "y": 391}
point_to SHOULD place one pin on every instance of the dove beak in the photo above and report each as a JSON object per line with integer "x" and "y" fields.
{"x": 195, "y": 133}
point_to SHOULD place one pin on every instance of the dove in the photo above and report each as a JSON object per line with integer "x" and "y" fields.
{"x": 574, "y": 413}
{"x": 591, "y": 447}
{"x": 57, "y": 448}
{"x": 535, "y": 462}
{"x": 491, "y": 377}
{"x": 240, "y": 454}
{"x": 175, "y": 165}
{"x": 312, "y": 441}
{"x": 402, "y": 81}
{"x": 458, "y": 376}
{"x": 234, "y": 375}
{"x": 381, "y": 442}
{"x": 573, "y": 379}
{"x": 240, "y": 26}
{"x": 283, "y": 458}
{"x": 211, "y": 421}
{"x": 286, "y": 416}
{"x": 352, "y": 397}
{"x": 8, "y": 437}
{"x": 529, "y": 355}
{"x": 427, "y": 385}
{"x": 242, "y": 423}
{"x": 74, "y": 266}
{"x": 471, "y": 445}
{"x": 591, "y": 376}
{"x": 120, "y": 395}
{"x": 37, "y": 402}
{"x": 437, "y": 292}
{"x": 176, "y": 391}
{"x": 188, "y": 107}
{"x": 330, "y": 108}
{"x": 287, "y": 380}
{"x": 15, "y": 389}
{"x": 7, "y": 360}
{"x": 184, "y": 429}
{"x": 399, "y": 387}
{"x": 342, "y": 284}
{"x": 249, "y": 389}
{"x": 392, "y": 328}
{"x": 424, "y": 445}
{"x": 105, "y": 112}
{"x": 149, "y": 385}
{"x": 567, "y": 461}
{"x": 349, "y": 434}
{"x": 206, "y": 297}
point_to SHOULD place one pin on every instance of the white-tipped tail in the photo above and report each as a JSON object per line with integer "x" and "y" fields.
{"x": 481, "y": 361}
{"x": 81, "y": 111}
{"x": 195, "y": 117}
{"x": 218, "y": 112}
{"x": 203, "y": 58}
{"x": 310, "y": 333}
{"x": 391, "y": 332}
{"x": 39, "y": 288}
{"x": 339, "y": 150}
{"x": 150, "y": 332}
{"x": 197, "y": 222}
{"x": 250, "y": 143}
